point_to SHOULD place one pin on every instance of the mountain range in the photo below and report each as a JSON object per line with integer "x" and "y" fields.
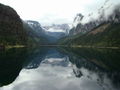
{"x": 15, "y": 31}
{"x": 43, "y": 31}
{"x": 102, "y": 32}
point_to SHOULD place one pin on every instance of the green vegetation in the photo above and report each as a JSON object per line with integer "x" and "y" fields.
{"x": 11, "y": 27}
{"x": 105, "y": 35}
{"x": 33, "y": 39}
{"x": 16, "y": 33}
{"x": 105, "y": 58}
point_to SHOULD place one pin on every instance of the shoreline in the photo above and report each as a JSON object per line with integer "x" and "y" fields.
{"x": 14, "y": 46}
{"x": 79, "y": 46}
{"x": 68, "y": 46}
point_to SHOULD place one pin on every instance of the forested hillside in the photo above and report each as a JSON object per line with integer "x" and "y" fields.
{"x": 14, "y": 31}
{"x": 101, "y": 32}
{"x": 11, "y": 27}
{"x": 34, "y": 38}
{"x": 107, "y": 34}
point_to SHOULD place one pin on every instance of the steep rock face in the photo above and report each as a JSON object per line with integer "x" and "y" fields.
{"x": 83, "y": 28}
{"x": 79, "y": 27}
{"x": 101, "y": 32}
{"x": 34, "y": 34}
{"x": 104, "y": 35}
{"x": 60, "y": 29}
{"x": 37, "y": 33}
{"x": 45, "y": 34}
{"x": 11, "y": 27}
{"x": 56, "y": 31}
{"x": 36, "y": 27}
{"x": 83, "y": 24}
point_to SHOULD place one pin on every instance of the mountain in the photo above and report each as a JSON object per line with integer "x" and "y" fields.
{"x": 34, "y": 33}
{"x": 14, "y": 31}
{"x": 56, "y": 31}
{"x": 56, "y": 35}
{"x": 105, "y": 35}
{"x": 79, "y": 27}
{"x": 11, "y": 27}
{"x": 39, "y": 35}
{"x": 34, "y": 25}
{"x": 102, "y": 32}
{"x": 58, "y": 28}
{"x": 108, "y": 12}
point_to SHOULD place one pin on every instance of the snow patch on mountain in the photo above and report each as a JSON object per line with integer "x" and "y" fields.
{"x": 57, "y": 28}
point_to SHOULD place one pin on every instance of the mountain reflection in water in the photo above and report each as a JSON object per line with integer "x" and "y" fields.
{"x": 60, "y": 69}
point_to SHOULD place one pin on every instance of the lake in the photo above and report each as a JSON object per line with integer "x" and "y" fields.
{"x": 51, "y": 68}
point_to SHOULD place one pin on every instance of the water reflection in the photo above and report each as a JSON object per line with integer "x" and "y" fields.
{"x": 67, "y": 69}
{"x": 11, "y": 62}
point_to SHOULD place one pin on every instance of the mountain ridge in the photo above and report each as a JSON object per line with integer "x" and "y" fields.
{"x": 95, "y": 33}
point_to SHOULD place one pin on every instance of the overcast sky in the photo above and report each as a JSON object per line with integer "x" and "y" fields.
{"x": 53, "y": 11}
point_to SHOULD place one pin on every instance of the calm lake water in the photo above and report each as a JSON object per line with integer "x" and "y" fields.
{"x": 60, "y": 69}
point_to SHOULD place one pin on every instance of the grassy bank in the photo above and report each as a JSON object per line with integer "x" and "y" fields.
{"x": 80, "y": 46}
{"x": 14, "y": 46}
{"x": 66, "y": 46}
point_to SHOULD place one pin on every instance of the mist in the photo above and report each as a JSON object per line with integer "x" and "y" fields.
{"x": 103, "y": 13}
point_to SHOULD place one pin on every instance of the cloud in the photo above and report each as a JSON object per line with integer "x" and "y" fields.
{"x": 103, "y": 11}
{"x": 47, "y": 77}
{"x": 54, "y": 11}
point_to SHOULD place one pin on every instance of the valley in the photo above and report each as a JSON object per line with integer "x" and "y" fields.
{"x": 94, "y": 33}
{"x": 59, "y": 45}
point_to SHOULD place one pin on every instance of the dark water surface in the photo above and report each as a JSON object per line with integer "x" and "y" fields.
{"x": 60, "y": 69}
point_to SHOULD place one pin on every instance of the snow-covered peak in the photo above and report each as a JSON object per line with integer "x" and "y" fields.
{"x": 57, "y": 28}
